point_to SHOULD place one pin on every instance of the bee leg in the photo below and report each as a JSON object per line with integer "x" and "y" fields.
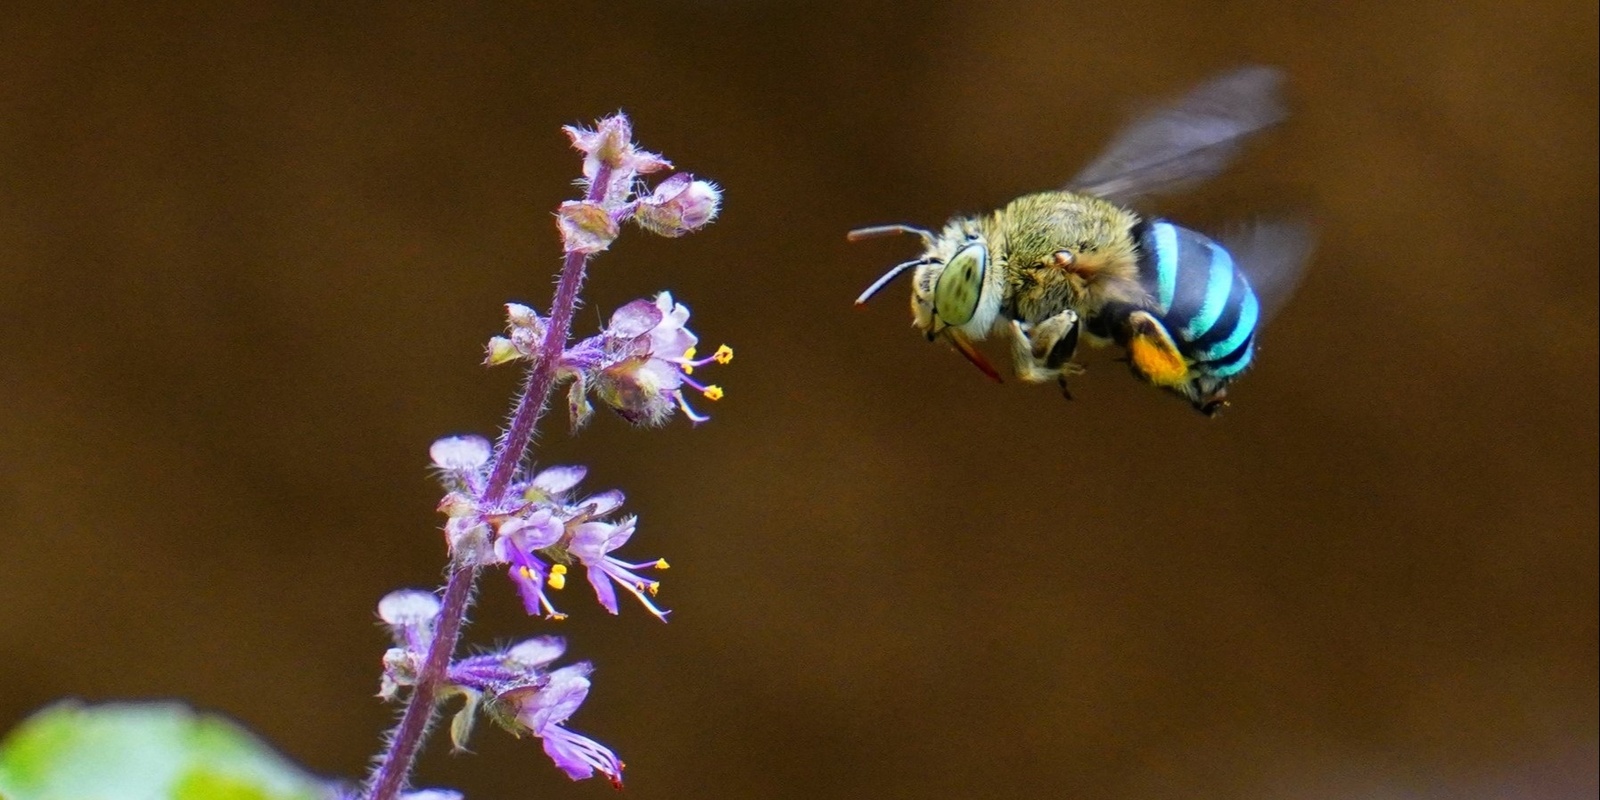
{"x": 1153, "y": 354}
{"x": 1029, "y": 367}
{"x": 1060, "y": 357}
{"x": 1061, "y": 333}
{"x": 1044, "y": 351}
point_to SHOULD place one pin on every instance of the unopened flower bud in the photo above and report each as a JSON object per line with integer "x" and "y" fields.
{"x": 609, "y": 150}
{"x": 471, "y": 541}
{"x": 679, "y": 205}
{"x": 612, "y": 139}
{"x": 586, "y": 228}
{"x": 400, "y": 669}
{"x": 501, "y": 351}
{"x": 521, "y": 316}
{"x": 456, "y": 504}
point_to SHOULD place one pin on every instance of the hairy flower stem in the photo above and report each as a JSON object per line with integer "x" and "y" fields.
{"x": 393, "y": 772}
{"x": 394, "y": 766}
{"x": 541, "y": 379}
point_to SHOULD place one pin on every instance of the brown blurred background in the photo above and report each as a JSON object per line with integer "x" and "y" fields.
{"x": 248, "y": 259}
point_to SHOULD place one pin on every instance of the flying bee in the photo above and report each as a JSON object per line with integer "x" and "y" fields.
{"x": 1053, "y": 267}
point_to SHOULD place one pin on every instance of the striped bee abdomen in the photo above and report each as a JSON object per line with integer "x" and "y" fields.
{"x": 1203, "y": 300}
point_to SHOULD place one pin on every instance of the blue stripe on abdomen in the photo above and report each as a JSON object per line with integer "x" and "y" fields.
{"x": 1206, "y": 302}
{"x": 1192, "y": 281}
{"x": 1219, "y": 282}
{"x": 1249, "y": 315}
{"x": 1166, "y": 261}
{"x": 1233, "y": 363}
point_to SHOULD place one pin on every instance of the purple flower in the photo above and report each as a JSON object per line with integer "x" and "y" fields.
{"x": 638, "y": 366}
{"x": 536, "y": 523}
{"x": 542, "y": 710}
{"x": 640, "y": 363}
{"x": 592, "y": 543}
{"x": 521, "y": 664}
{"x": 539, "y": 531}
{"x": 514, "y": 688}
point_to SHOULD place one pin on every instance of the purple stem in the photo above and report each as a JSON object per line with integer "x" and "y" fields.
{"x": 393, "y": 772}
{"x": 394, "y": 768}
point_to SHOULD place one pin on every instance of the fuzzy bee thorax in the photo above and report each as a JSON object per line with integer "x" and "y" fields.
{"x": 1065, "y": 250}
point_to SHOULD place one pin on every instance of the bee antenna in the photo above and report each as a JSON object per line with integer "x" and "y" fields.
{"x": 860, "y": 234}
{"x": 883, "y": 281}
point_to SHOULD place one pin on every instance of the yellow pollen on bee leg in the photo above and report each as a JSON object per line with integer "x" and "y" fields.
{"x": 1158, "y": 360}
{"x": 713, "y": 393}
{"x": 723, "y": 355}
{"x": 661, "y": 563}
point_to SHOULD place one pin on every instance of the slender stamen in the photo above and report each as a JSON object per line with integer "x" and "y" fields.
{"x": 687, "y": 411}
{"x": 635, "y": 585}
{"x": 659, "y": 563}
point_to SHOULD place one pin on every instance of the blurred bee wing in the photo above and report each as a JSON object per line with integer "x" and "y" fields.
{"x": 1189, "y": 141}
{"x": 1273, "y": 253}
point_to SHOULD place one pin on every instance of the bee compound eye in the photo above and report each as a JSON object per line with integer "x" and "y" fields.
{"x": 960, "y": 285}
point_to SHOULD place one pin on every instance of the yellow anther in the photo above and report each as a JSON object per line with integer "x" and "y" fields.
{"x": 688, "y": 369}
{"x": 558, "y": 577}
{"x": 661, "y": 563}
{"x": 723, "y": 355}
{"x": 688, "y": 355}
{"x": 556, "y": 617}
{"x": 713, "y": 392}
{"x": 526, "y": 573}
{"x": 653, "y": 587}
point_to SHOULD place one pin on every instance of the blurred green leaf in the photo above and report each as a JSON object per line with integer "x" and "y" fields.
{"x": 144, "y": 751}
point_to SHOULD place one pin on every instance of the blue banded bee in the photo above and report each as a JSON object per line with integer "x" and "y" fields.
{"x": 1053, "y": 267}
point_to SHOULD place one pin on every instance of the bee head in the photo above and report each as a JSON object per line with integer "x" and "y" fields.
{"x": 954, "y": 291}
{"x": 950, "y": 288}
{"x": 958, "y": 292}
